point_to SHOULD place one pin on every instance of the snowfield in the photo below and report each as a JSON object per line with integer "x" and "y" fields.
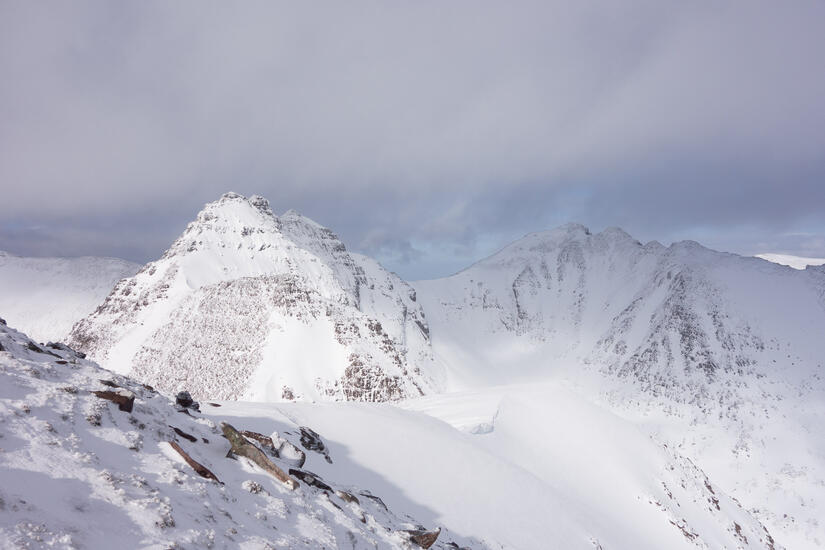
{"x": 44, "y": 297}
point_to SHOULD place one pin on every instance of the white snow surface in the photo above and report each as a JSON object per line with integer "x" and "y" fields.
{"x": 714, "y": 354}
{"x": 46, "y": 296}
{"x": 552, "y": 469}
{"x": 246, "y": 304}
{"x": 796, "y": 262}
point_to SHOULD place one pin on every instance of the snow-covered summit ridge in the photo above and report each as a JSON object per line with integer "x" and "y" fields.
{"x": 249, "y": 304}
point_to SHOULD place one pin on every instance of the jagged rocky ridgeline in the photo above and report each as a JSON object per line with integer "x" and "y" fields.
{"x": 88, "y": 456}
{"x": 246, "y": 304}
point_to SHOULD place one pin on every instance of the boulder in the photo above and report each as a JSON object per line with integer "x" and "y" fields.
{"x": 242, "y": 447}
{"x": 288, "y": 452}
{"x": 310, "y": 479}
{"x": 423, "y": 538}
{"x": 124, "y": 399}
{"x": 202, "y": 470}
{"x": 185, "y": 401}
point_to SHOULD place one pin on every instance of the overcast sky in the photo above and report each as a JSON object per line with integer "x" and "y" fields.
{"x": 426, "y": 134}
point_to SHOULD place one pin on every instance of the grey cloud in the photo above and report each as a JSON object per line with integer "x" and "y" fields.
{"x": 425, "y": 133}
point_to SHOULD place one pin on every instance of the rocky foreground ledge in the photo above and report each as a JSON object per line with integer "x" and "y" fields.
{"x": 88, "y": 457}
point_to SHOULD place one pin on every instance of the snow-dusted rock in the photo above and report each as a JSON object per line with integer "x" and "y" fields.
{"x": 246, "y": 304}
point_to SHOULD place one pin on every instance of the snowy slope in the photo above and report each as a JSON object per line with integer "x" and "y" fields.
{"x": 796, "y": 262}
{"x": 246, "y": 304}
{"x": 715, "y": 354}
{"x": 46, "y": 296}
{"x": 77, "y": 471}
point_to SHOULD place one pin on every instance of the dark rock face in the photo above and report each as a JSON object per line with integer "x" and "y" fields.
{"x": 310, "y": 479}
{"x": 124, "y": 399}
{"x": 311, "y": 441}
{"x": 184, "y": 399}
{"x": 63, "y": 347}
{"x": 37, "y": 349}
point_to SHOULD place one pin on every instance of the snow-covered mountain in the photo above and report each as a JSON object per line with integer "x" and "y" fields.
{"x": 246, "y": 304}
{"x": 682, "y": 322}
{"x": 718, "y": 355}
{"x": 46, "y": 296}
{"x": 88, "y": 457}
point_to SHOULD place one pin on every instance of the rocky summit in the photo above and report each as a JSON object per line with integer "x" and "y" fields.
{"x": 249, "y": 305}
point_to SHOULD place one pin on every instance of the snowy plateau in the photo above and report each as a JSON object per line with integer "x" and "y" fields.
{"x": 574, "y": 390}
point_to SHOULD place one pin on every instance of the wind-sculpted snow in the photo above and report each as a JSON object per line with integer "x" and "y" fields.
{"x": 78, "y": 471}
{"x": 46, "y": 296}
{"x": 248, "y": 304}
